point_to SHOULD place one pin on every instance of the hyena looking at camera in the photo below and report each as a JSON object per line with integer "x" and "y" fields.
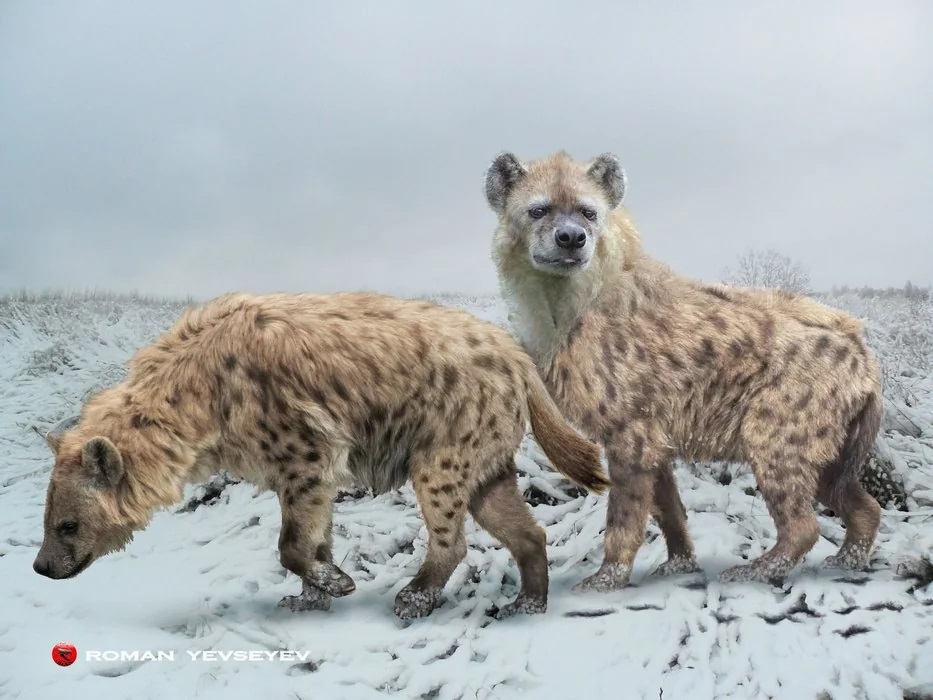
{"x": 657, "y": 366}
{"x": 297, "y": 393}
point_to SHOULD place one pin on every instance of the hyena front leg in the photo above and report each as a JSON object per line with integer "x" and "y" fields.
{"x": 442, "y": 494}
{"x": 305, "y": 539}
{"x": 671, "y": 516}
{"x": 633, "y": 464}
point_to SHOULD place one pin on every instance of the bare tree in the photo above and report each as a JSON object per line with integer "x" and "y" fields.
{"x": 768, "y": 268}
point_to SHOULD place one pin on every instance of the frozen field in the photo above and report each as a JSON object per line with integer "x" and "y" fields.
{"x": 208, "y": 577}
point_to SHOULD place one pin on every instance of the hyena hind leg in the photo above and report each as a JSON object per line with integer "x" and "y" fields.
{"x": 788, "y": 493}
{"x": 499, "y": 508}
{"x": 442, "y": 498}
{"x": 861, "y": 516}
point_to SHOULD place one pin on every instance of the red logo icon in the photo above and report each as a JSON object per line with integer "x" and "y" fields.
{"x": 64, "y": 654}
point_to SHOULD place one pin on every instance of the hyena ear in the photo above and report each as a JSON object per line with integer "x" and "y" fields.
{"x": 607, "y": 171}
{"x": 53, "y": 440}
{"x": 505, "y": 172}
{"x": 102, "y": 460}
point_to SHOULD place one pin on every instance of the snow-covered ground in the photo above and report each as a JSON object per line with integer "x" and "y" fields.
{"x": 208, "y": 578}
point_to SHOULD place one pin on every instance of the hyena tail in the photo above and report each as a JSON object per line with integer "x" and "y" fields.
{"x": 571, "y": 454}
{"x": 860, "y": 437}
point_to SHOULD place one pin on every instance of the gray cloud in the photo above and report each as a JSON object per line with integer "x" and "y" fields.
{"x": 183, "y": 148}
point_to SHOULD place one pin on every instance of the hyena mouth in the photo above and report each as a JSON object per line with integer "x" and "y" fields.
{"x": 563, "y": 263}
{"x": 86, "y": 562}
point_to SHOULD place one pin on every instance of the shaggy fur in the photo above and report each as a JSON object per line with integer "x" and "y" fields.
{"x": 657, "y": 366}
{"x": 297, "y": 393}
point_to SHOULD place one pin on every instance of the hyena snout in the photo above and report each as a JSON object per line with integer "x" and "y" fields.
{"x": 570, "y": 237}
{"x": 42, "y": 566}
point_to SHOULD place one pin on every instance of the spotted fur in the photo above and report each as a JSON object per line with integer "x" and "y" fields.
{"x": 657, "y": 366}
{"x": 299, "y": 393}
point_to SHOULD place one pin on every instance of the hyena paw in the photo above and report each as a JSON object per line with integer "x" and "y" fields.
{"x": 610, "y": 577}
{"x": 771, "y": 572}
{"x": 416, "y": 602}
{"x": 332, "y": 579}
{"x": 310, "y": 598}
{"x": 678, "y": 565}
{"x": 523, "y": 605}
{"x": 849, "y": 559}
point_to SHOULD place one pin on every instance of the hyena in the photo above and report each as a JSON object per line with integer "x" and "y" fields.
{"x": 298, "y": 393}
{"x": 656, "y": 366}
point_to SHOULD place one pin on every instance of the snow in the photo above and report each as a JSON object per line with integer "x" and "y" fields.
{"x": 208, "y": 577}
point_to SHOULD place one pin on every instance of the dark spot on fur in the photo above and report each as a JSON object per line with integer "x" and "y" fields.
{"x": 446, "y": 464}
{"x": 792, "y": 350}
{"x": 230, "y": 362}
{"x": 472, "y": 340}
{"x": 443, "y": 543}
{"x": 441, "y": 530}
{"x": 765, "y": 413}
{"x": 706, "y": 354}
{"x": 853, "y": 364}
{"x": 564, "y": 375}
{"x": 457, "y": 504}
{"x": 447, "y": 488}
{"x": 719, "y": 322}
{"x": 718, "y": 293}
{"x": 450, "y": 514}
{"x": 340, "y": 388}
{"x": 485, "y": 361}
{"x": 322, "y": 553}
{"x": 821, "y": 344}
{"x": 804, "y": 400}
{"x": 842, "y": 352}
{"x": 434, "y": 502}
{"x": 822, "y": 432}
{"x": 673, "y": 360}
{"x": 603, "y": 410}
{"x": 312, "y": 482}
{"x": 451, "y": 374}
{"x": 608, "y": 357}
{"x": 141, "y": 421}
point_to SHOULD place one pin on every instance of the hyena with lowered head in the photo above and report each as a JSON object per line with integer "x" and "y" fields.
{"x": 297, "y": 393}
{"x": 657, "y": 366}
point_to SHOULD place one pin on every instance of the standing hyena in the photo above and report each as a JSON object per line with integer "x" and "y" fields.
{"x": 296, "y": 393}
{"x": 657, "y": 366}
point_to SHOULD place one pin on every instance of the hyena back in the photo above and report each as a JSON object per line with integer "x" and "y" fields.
{"x": 656, "y": 366}
{"x": 298, "y": 393}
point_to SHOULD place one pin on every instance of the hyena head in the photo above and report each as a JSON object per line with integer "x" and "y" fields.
{"x": 554, "y": 209}
{"x": 82, "y": 516}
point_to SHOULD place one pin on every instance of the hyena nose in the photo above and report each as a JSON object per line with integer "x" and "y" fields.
{"x": 41, "y": 566}
{"x": 570, "y": 237}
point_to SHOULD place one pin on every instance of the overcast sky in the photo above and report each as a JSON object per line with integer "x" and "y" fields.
{"x": 182, "y": 147}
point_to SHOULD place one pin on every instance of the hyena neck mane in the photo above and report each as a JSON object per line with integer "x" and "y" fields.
{"x": 544, "y": 308}
{"x": 159, "y": 449}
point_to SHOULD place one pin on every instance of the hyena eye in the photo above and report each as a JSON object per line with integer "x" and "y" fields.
{"x": 589, "y": 213}
{"x": 69, "y": 527}
{"x": 537, "y": 212}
